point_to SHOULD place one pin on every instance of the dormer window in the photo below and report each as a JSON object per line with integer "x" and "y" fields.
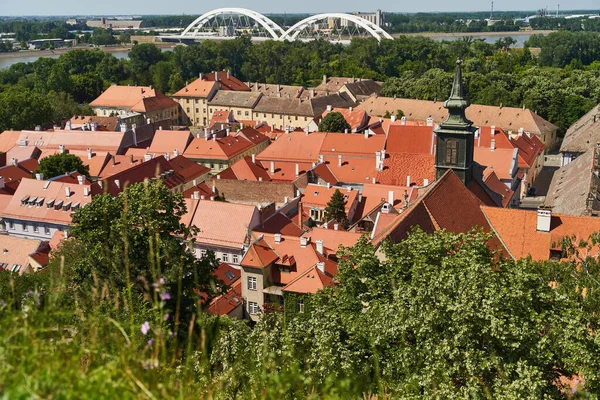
{"x": 67, "y": 206}
{"x": 39, "y": 202}
{"x": 50, "y": 203}
{"x": 32, "y": 201}
{"x": 75, "y": 206}
{"x": 24, "y": 200}
{"x": 58, "y": 205}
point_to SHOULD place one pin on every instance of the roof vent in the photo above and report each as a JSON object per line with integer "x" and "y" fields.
{"x": 544, "y": 218}
{"x": 277, "y": 238}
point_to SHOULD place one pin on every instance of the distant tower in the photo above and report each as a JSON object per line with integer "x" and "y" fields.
{"x": 557, "y": 9}
{"x": 492, "y": 12}
{"x": 455, "y": 136}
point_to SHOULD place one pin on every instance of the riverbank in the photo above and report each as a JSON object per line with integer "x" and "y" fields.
{"x": 56, "y": 52}
{"x": 469, "y": 34}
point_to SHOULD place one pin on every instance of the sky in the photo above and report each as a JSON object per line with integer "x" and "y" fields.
{"x": 147, "y": 7}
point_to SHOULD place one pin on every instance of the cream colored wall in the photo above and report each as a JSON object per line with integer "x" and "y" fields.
{"x": 234, "y": 110}
{"x": 257, "y": 295}
{"x": 198, "y": 110}
{"x": 280, "y": 121}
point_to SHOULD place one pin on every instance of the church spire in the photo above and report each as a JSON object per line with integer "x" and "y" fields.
{"x": 454, "y": 149}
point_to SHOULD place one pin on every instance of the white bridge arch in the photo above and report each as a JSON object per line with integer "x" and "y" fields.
{"x": 274, "y": 30}
{"x": 374, "y": 30}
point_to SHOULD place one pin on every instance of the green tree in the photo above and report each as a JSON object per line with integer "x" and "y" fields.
{"x": 336, "y": 209}
{"x": 58, "y": 164}
{"x": 334, "y": 122}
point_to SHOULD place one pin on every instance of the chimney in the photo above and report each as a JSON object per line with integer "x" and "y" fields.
{"x": 297, "y": 169}
{"x": 286, "y": 199}
{"x": 61, "y": 148}
{"x": 228, "y": 74}
{"x": 393, "y": 118}
{"x": 345, "y": 130}
{"x": 374, "y": 180}
{"x": 123, "y": 127}
{"x": 321, "y": 159}
{"x": 493, "y": 130}
{"x": 324, "y": 79}
{"x": 148, "y": 121}
{"x": 81, "y": 179}
{"x": 214, "y": 189}
{"x": 67, "y": 191}
{"x": 544, "y": 217}
{"x": 329, "y": 108}
{"x": 214, "y": 137}
{"x": 407, "y": 180}
{"x": 425, "y": 182}
{"x": 366, "y": 133}
{"x": 89, "y": 152}
{"x": 328, "y": 185}
{"x": 339, "y": 160}
{"x": 319, "y": 244}
{"x": 68, "y": 125}
{"x": 175, "y": 153}
{"x": 15, "y": 162}
{"x": 378, "y": 160}
{"x": 312, "y": 93}
{"x": 493, "y": 145}
{"x": 429, "y": 121}
{"x": 321, "y": 267}
{"x": 253, "y": 158}
{"x": 134, "y": 134}
{"x": 114, "y": 160}
{"x": 272, "y": 167}
{"x": 216, "y": 76}
{"x": 300, "y": 214}
{"x": 86, "y": 191}
{"x": 277, "y": 238}
{"x": 521, "y": 131}
{"x": 391, "y": 197}
{"x": 93, "y": 126}
{"x": 2, "y": 184}
{"x": 303, "y": 242}
{"x": 118, "y": 183}
{"x": 39, "y": 177}
{"x": 336, "y": 227}
{"x": 403, "y": 121}
{"x": 202, "y": 197}
{"x": 147, "y": 157}
{"x": 260, "y": 178}
{"x": 196, "y": 194}
{"x": 200, "y": 76}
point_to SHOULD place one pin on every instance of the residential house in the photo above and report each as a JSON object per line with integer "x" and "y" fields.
{"x": 275, "y": 264}
{"x": 221, "y": 150}
{"x": 357, "y": 119}
{"x": 574, "y": 189}
{"x": 316, "y": 197}
{"x": 223, "y": 228}
{"x": 225, "y": 80}
{"x": 20, "y": 255}
{"x": 581, "y": 136}
{"x": 239, "y": 104}
{"x": 277, "y": 90}
{"x": 193, "y": 100}
{"x": 139, "y": 104}
{"x": 40, "y": 208}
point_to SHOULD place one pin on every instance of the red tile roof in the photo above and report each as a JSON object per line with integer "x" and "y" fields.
{"x": 410, "y": 139}
{"x": 166, "y": 141}
{"x": 134, "y": 98}
{"x": 319, "y": 196}
{"x": 351, "y": 144}
{"x": 228, "y": 302}
{"x": 518, "y": 231}
{"x": 357, "y": 119}
{"x": 397, "y": 166}
{"x": 8, "y": 139}
{"x": 227, "y": 81}
{"x": 223, "y": 148}
{"x": 294, "y": 146}
{"x": 530, "y": 147}
{"x": 198, "y": 88}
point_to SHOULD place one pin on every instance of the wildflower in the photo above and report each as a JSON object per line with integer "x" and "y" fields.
{"x": 149, "y": 343}
{"x": 165, "y": 296}
{"x": 166, "y": 316}
{"x": 145, "y": 327}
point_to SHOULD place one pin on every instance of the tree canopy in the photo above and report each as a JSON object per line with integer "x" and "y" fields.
{"x": 334, "y": 122}
{"x": 59, "y": 164}
{"x": 336, "y": 209}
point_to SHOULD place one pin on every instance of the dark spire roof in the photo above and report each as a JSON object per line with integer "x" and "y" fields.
{"x": 457, "y": 103}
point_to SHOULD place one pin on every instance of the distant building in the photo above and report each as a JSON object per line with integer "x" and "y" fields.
{"x": 377, "y": 18}
{"x": 115, "y": 24}
{"x": 581, "y": 136}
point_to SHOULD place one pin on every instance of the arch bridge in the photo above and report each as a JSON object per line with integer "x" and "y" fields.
{"x": 228, "y": 23}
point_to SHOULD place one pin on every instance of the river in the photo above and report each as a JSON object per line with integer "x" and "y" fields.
{"x": 7, "y": 62}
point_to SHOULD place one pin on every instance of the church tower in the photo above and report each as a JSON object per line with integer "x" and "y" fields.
{"x": 454, "y": 148}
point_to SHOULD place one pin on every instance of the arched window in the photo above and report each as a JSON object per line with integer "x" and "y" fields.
{"x": 451, "y": 151}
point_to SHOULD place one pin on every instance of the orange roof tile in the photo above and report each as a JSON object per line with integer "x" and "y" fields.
{"x": 494, "y": 183}
{"x": 198, "y": 88}
{"x": 166, "y": 141}
{"x": 502, "y": 161}
{"x": 16, "y": 251}
{"x": 134, "y": 98}
{"x": 294, "y": 146}
{"x": 319, "y": 196}
{"x": 310, "y": 281}
{"x": 397, "y": 166}
{"x": 223, "y": 148}
{"x": 357, "y": 119}
{"x": 50, "y": 192}
{"x": 227, "y": 302}
{"x": 333, "y": 239}
{"x": 410, "y": 139}
{"x": 226, "y": 80}
{"x": 8, "y": 139}
{"x": 245, "y": 170}
{"x": 353, "y": 169}
{"x": 518, "y": 230}
{"x": 351, "y": 144}
{"x": 373, "y": 195}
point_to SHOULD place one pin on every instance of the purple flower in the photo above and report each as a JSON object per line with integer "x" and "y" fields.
{"x": 166, "y": 316}
{"x": 149, "y": 342}
{"x": 145, "y": 327}
{"x": 165, "y": 296}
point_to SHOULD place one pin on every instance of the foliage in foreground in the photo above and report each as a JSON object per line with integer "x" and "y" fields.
{"x": 442, "y": 317}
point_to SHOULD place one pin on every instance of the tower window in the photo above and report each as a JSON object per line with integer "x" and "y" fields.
{"x": 451, "y": 151}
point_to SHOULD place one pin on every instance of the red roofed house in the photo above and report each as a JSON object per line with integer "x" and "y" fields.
{"x": 136, "y": 103}
{"x": 357, "y": 119}
{"x": 225, "y": 80}
{"x": 193, "y": 100}
{"x": 39, "y": 208}
{"x": 224, "y": 228}
{"x": 316, "y": 197}
{"x": 220, "y": 151}
{"x": 276, "y": 264}
{"x": 20, "y": 255}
